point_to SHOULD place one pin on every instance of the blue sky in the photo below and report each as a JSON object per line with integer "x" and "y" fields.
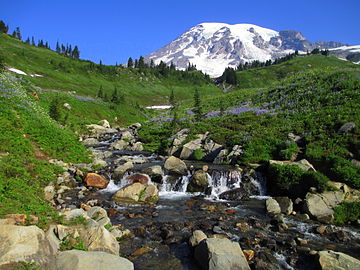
{"x": 115, "y": 30}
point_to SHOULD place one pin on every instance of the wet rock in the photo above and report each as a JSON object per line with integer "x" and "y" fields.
{"x": 198, "y": 182}
{"x": 265, "y": 261}
{"x": 91, "y": 260}
{"x": 196, "y": 237}
{"x": 272, "y": 206}
{"x": 249, "y": 254}
{"x": 286, "y": 205}
{"x": 321, "y": 229}
{"x": 222, "y": 254}
{"x": 122, "y": 169}
{"x": 175, "y": 165}
{"x": 347, "y": 127}
{"x": 119, "y": 145}
{"x": 235, "y": 194}
{"x": 320, "y": 206}
{"x": 25, "y": 244}
{"x": 141, "y": 251}
{"x": 155, "y": 172}
{"x": 337, "y": 260}
{"x": 139, "y": 178}
{"x": 137, "y": 192}
{"x": 95, "y": 180}
{"x": 90, "y": 142}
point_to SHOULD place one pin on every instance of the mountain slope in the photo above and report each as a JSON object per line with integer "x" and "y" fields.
{"x": 214, "y": 46}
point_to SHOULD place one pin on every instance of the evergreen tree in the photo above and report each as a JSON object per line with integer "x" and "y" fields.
{"x": 152, "y": 64}
{"x": 58, "y": 49}
{"x": 136, "y": 65}
{"x": 27, "y": 40}
{"x": 172, "y": 66}
{"x": 130, "y": 63}
{"x": 33, "y": 41}
{"x": 18, "y": 34}
{"x": 172, "y": 98}
{"x": 100, "y": 93}
{"x": 114, "y": 96}
{"x": 13, "y": 34}
{"x": 141, "y": 63}
{"x": 3, "y": 28}
{"x": 54, "y": 109}
{"x": 197, "y": 106}
{"x": 76, "y": 52}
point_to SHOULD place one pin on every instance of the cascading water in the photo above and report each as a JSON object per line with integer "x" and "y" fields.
{"x": 221, "y": 181}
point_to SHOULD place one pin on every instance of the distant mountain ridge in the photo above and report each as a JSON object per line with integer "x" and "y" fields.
{"x": 214, "y": 46}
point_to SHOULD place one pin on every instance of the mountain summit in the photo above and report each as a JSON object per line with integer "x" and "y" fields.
{"x": 214, "y": 46}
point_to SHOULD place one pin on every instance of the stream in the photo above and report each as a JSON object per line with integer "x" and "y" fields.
{"x": 160, "y": 230}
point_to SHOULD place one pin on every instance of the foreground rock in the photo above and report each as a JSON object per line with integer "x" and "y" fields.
{"x": 91, "y": 260}
{"x": 214, "y": 254}
{"x": 320, "y": 206}
{"x": 330, "y": 260}
{"x": 272, "y": 206}
{"x": 137, "y": 192}
{"x": 95, "y": 180}
{"x": 175, "y": 165}
{"x": 198, "y": 182}
{"x": 25, "y": 244}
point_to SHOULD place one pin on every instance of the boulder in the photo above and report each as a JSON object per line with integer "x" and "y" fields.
{"x": 49, "y": 193}
{"x": 221, "y": 157}
{"x": 178, "y": 139}
{"x": 136, "y": 192}
{"x": 347, "y": 127}
{"x": 98, "y": 130}
{"x": 119, "y": 145}
{"x": 214, "y": 254}
{"x": 139, "y": 178}
{"x": 91, "y": 260}
{"x": 211, "y": 149}
{"x": 272, "y": 206}
{"x": 122, "y": 169}
{"x": 196, "y": 237}
{"x": 320, "y": 206}
{"x": 105, "y": 123}
{"x": 198, "y": 182}
{"x": 190, "y": 147}
{"x": 330, "y": 260}
{"x": 67, "y": 106}
{"x": 95, "y": 180}
{"x": 99, "y": 215}
{"x": 97, "y": 238}
{"x": 155, "y": 172}
{"x": 302, "y": 164}
{"x": 90, "y": 142}
{"x": 69, "y": 215}
{"x": 175, "y": 165}
{"x": 235, "y": 194}
{"x": 234, "y": 154}
{"x": 286, "y": 205}
{"x": 137, "y": 147}
{"x": 25, "y": 244}
{"x": 127, "y": 135}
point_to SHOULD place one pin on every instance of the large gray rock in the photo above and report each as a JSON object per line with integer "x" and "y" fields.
{"x": 198, "y": 182}
{"x": 137, "y": 147}
{"x": 25, "y": 244}
{"x": 137, "y": 192}
{"x": 98, "y": 130}
{"x": 179, "y": 138}
{"x": 90, "y": 142}
{"x": 211, "y": 150}
{"x": 98, "y": 238}
{"x": 99, "y": 215}
{"x": 122, "y": 169}
{"x": 320, "y": 206}
{"x": 91, "y": 260}
{"x": 347, "y": 127}
{"x": 155, "y": 172}
{"x": 221, "y": 158}
{"x": 215, "y": 254}
{"x": 175, "y": 165}
{"x": 331, "y": 260}
{"x": 302, "y": 164}
{"x": 272, "y": 206}
{"x": 235, "y": 153}
{"x": 190, "y": 147}
{"x": 120, "y": 145}
{"x": 286, "y": 205}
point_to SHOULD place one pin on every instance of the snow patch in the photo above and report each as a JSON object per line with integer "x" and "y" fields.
{"x": 18, "y": 71}
{"x": 159, "y": 107}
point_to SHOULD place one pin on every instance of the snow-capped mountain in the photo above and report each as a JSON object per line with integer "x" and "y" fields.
{"x": 214, "y": 46}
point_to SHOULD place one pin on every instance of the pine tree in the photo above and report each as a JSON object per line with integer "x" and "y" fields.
{"x": 18, "y": 34}
{"x": 76, "y": 52}
{"x": 27, "y": 40}
{"x": 130, "y": 63}
{"x": 13, "y": 34}
{"x": 197, "y": 106}
{"x": 172, "y": 66}
{"x": 100, "y": 93}
{"x": 114, "y": 96}
{"x": 141, "y": 63}
{"x": 3, "y": 28}
{"x": 54, "y": 109}
{"x": 33, "y": 41}
{"x": 172, "y": 99}
{"x": 136, "y": 65}
{"x": 58, "y": 49}
{"x": 152, "y": 64}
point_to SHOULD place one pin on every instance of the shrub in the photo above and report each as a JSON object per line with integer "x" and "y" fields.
{"x": 198, "y": 154}
{"x": 347, "y": 211}
{"x": 287, "y": 150}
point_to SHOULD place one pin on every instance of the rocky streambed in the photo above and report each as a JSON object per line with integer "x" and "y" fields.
{"x": 232, "y": 206}
{"x": 165, "y": 213}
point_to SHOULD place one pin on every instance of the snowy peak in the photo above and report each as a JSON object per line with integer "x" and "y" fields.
{"x": 214, "y": 46}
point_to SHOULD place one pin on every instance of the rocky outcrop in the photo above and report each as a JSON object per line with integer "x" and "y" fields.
{"x": 95, "y": 180}
{"x": 214, "y": 254}
{"x": 25, "y": 244}
{"x": 190, "y": 147}
{"x": 176, "y": 166}
{"x": 302, "y": 164}
{"x": 347, "y": 127}
{"x": 99, "y": 215}
{"x": 90, "y": 142}
{"x": 320, "y": 206}
{"x": 91, "y": 260}
{"x": 137, "y": 192}
{"x": 330, "y": 260}
{"x": 97, "y": 130}
{"x": 98, "y": 238}
{"x": 178, "y": 139}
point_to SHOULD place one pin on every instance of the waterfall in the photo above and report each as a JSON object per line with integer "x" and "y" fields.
{"x": 221, "y": 181}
